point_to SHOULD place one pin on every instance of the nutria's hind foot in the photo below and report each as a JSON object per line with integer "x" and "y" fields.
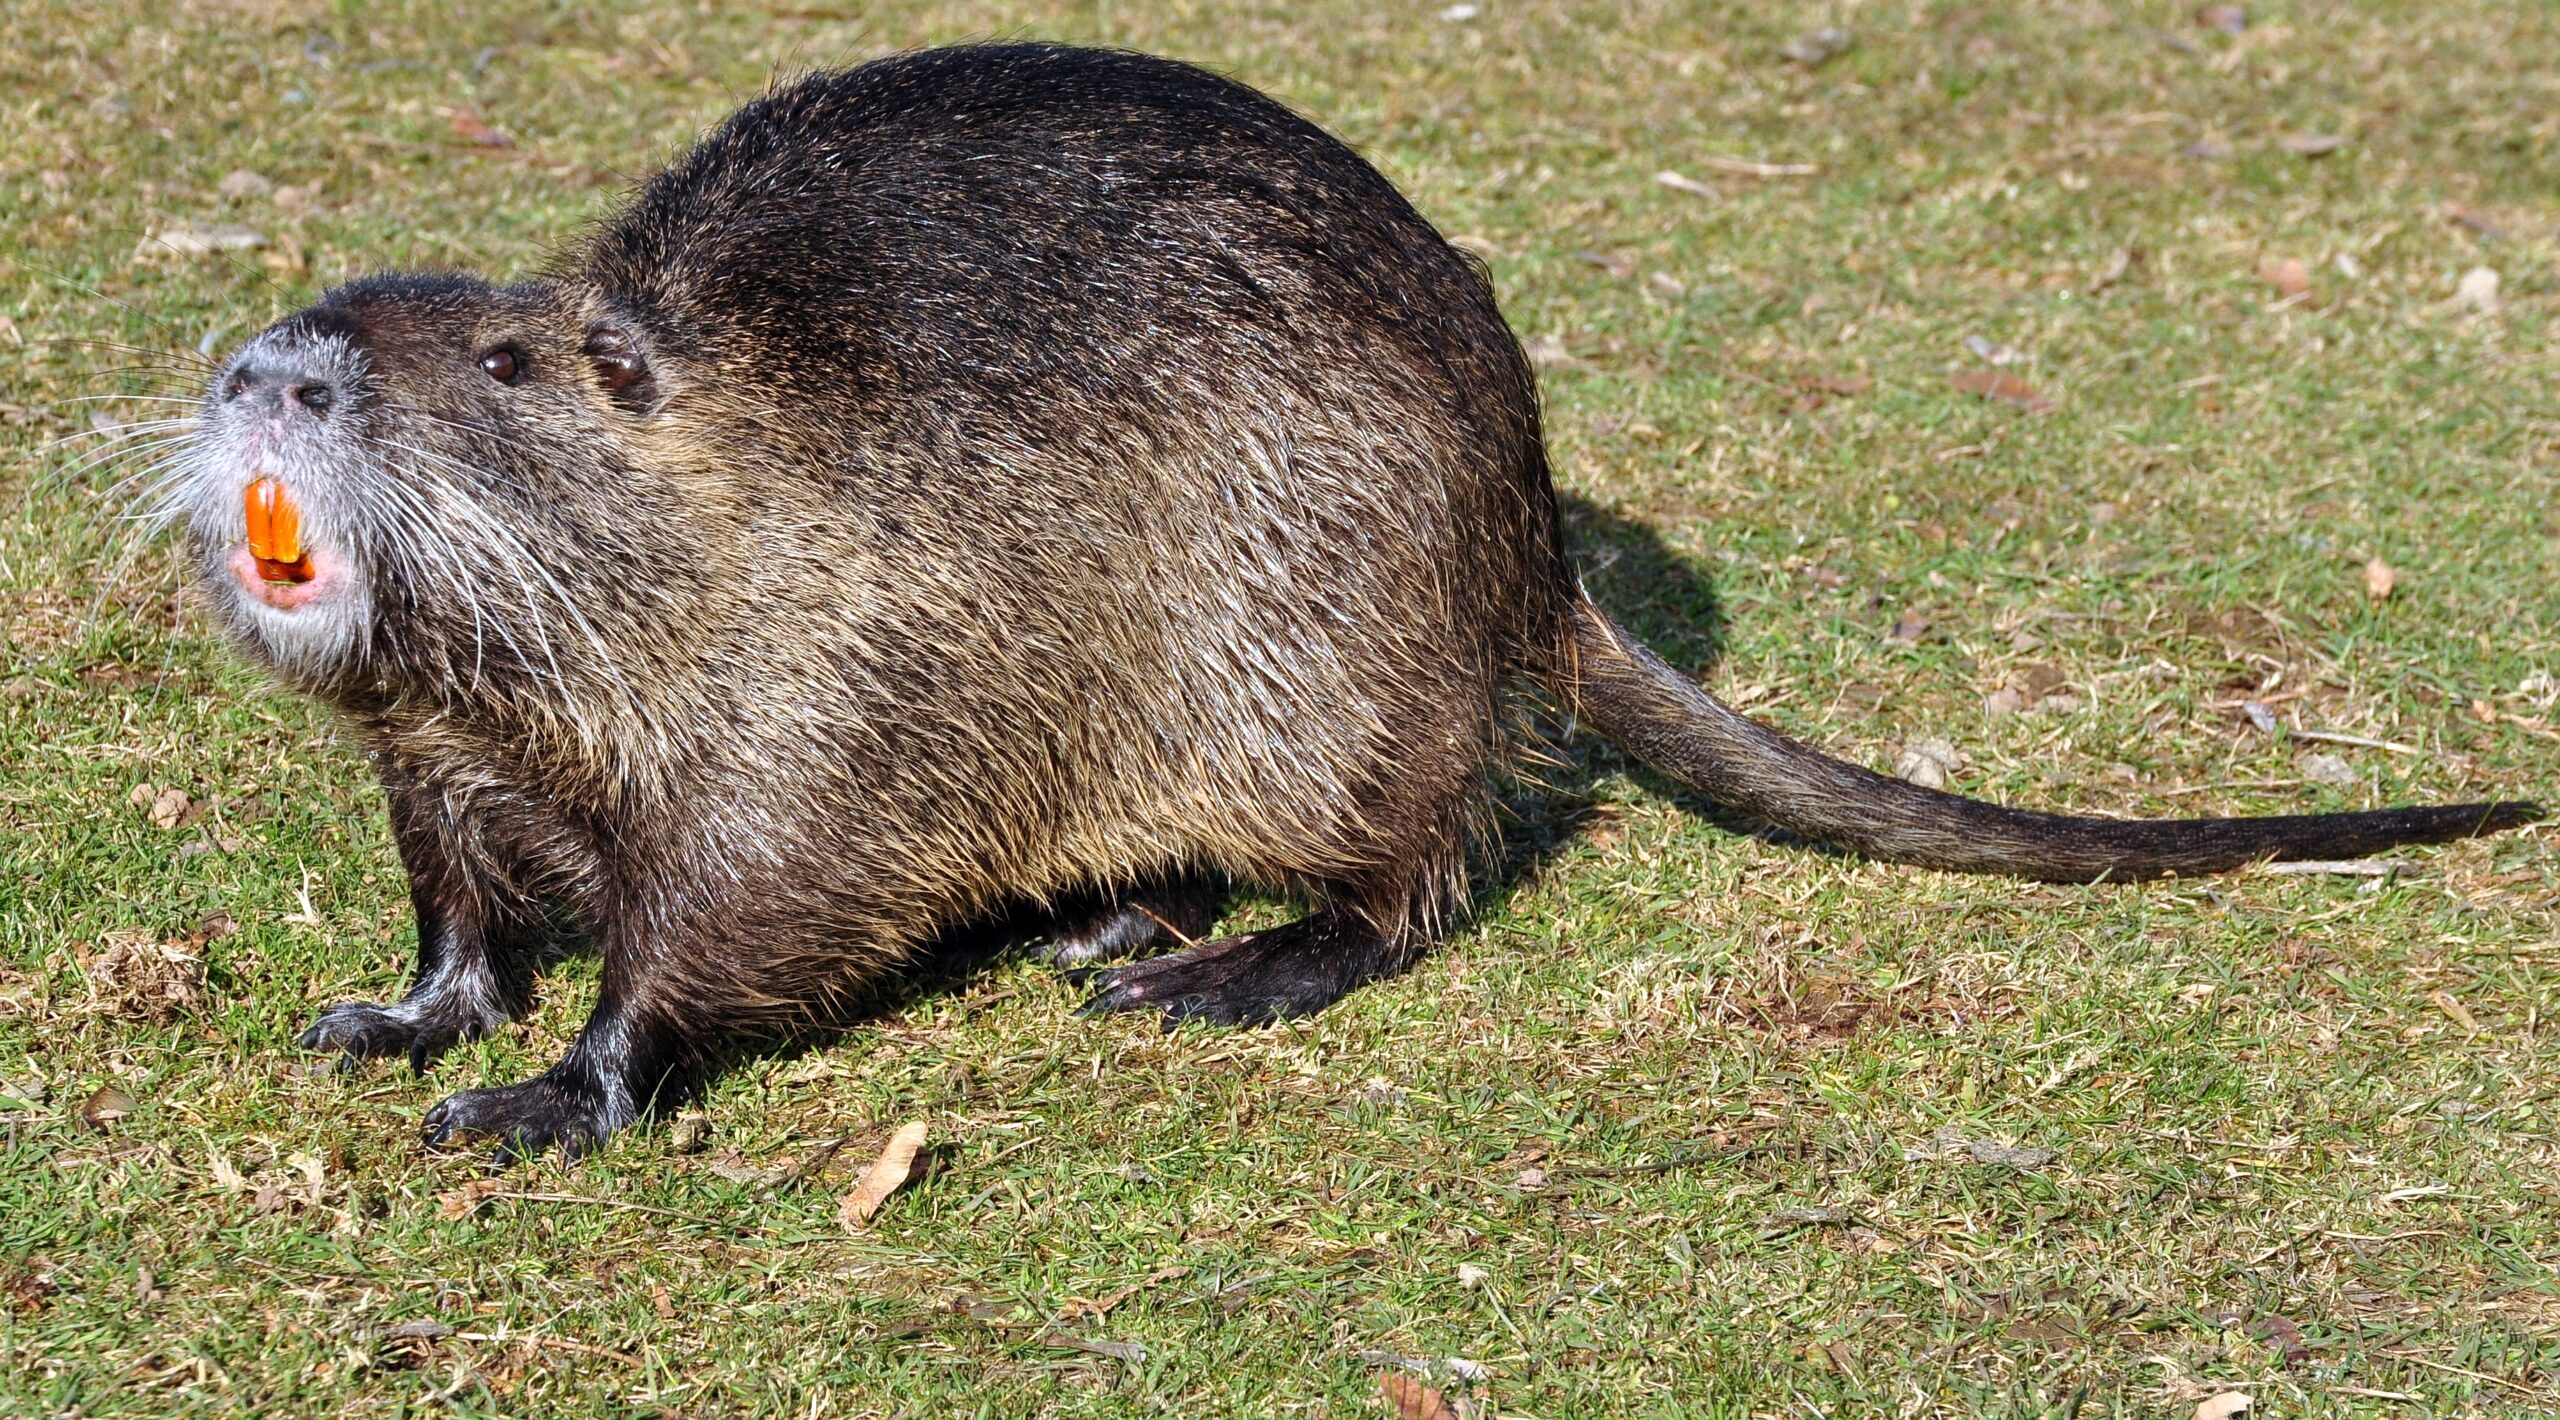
{"x": 1254, "y": 978}
{"x": 1156, "y": 916}
{"x": 556, "y": 1107}
{"x": 421, "y": 1028}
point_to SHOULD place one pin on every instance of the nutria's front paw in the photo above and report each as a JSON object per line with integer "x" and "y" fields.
{"x": 526, "y": 1119}
{"x": 366, "y": 1031}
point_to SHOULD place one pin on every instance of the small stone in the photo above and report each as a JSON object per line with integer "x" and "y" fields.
{"x": 1928, "y": 762}
{"x": 199, "y": 241}
{"x": 169, "y": 808}
{"x": 2329, "y": 769}
{"x": 691, "y": 1132}
{"x": 2478, "y": 292}
{"x": 1817, "y": 47}
{"x": 2004, "y": 702}
{"x": 241, "y": 185}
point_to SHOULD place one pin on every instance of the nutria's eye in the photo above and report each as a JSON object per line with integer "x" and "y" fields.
{"x": 503, "y": 365}
{"x": 621, "y": 368}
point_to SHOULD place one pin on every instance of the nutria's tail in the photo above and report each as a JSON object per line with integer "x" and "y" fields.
{"x": 1629, "y": 695}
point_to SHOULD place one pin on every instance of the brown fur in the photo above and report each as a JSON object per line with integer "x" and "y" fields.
{"x": 992, "y": 474}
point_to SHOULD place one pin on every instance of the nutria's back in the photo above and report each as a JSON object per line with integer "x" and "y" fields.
{"x": 1105, "y": 399}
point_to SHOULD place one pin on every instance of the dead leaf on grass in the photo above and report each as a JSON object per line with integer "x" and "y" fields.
{"x": 886, "y": 1174}
{"x": 1681, "y": 182}
{"x": 1992, "y": 352}
{"x": 2286, "y": 1338}
{"x": 2291, "y": 276}
{"x": 1129, "y": 1351}
{"x": 166, "y": 806}
{"x": 136, "y": 976}
{"x": 1908, "y": 628}
{"x": 473, "y": 129}
{"x": 2119, "y": 264}
{"x": 1746, "y": 167}
{"x": 2004, "y": 387}
{"x": 2478, "y": 292}
{"x": 1410, "y": 1399}
{"x": 2312, "y": 145}
{"x": 2455, "y": 1011}
{"x": 107, "y": 1105}
{"x": 2472, "y": 221}
{"x": 2221, "y": 1407}
{"x": 211, "y": 240}
{"x": 1814, "y": 391}
{"x": 2230, "y": 19}
{"x": 1617, "y": 265}
{"x": 28, "y": 1292}
{"x": 457, "y": 1204}
{"x": 2379, "y": 578}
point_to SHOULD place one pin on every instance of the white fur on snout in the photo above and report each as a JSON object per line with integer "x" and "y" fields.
{"x": 318, "y": 462}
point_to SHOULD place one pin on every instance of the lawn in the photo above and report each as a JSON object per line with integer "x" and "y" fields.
{"x": 2104, "y": 394}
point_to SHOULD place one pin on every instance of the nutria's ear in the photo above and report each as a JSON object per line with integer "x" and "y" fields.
{"x": 621, "y": 364}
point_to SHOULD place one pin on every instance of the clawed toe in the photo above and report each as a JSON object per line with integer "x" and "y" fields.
{"x": 362, "y": 1030}
{"x": 526, "y": 1119}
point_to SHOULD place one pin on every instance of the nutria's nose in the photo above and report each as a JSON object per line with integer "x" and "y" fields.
{"x": 289, "y": 386}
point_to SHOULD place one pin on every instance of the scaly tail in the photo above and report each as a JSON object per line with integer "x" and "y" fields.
{"x": 1654, "y": 712}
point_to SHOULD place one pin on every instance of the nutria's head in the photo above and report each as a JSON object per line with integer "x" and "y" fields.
{"x": 404, "y": 482}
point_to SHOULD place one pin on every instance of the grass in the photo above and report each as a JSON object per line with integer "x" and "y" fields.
{"x": 2301, "y": 1129}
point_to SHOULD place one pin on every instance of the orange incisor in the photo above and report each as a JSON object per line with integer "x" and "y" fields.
{"x": 275, "y": 532}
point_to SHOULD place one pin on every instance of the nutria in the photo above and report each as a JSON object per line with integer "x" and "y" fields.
{"x": 989, "y": 474}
